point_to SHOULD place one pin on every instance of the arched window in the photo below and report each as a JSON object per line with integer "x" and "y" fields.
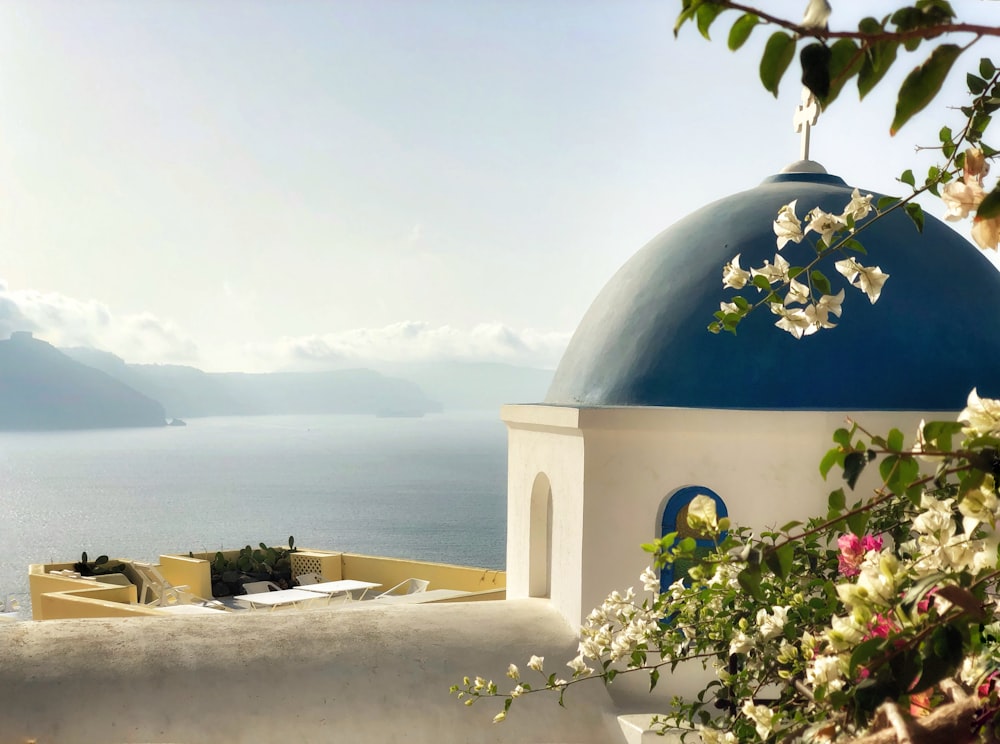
{"x": 675, "y": 520}
{"x": 540, "y": 538}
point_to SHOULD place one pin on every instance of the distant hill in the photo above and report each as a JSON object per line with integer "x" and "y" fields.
{"x": 190, "y": 392}
{"x": 474, "y": 385}
{"x": 43, "y": 389}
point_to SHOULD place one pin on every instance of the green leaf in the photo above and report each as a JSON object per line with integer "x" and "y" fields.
{"x": 831, "y": 458}
{"x": 878, "y": 60}
{"x": 843, "y": 438}
{"x": 749, "y": 580}
{"x": 895, "y": 440}
{"x": 778, "y": 54}
{"x": 707, "y": 13}
{"x": 886, "y": 201}
{"x": 820, "y": 282}
{"x": 740, "y": 31}
{"x": 975, "y": 84}
{"x": 854, "y": 465}
{"x": 837, "y": 501}
{"x": 845, "y": 62}
{"x": 986, "y": 68}
{"x": 923, "y": 83}
{"x": 916, "y": 214}
{"x": 907, "y": 177}
{"x": 654, "y": 677}
{"x": 990, "y": 206}
{"x": 760, "y": 281}
{"x": 858, "y": 522}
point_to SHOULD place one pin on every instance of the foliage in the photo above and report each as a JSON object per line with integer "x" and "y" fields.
{"x": 829, "y": 60}
{"x": 813, "y": 627}
{"x": 252, "y": 564}
{"x": 100, "y": 566}
{"x": 884, "y": 608}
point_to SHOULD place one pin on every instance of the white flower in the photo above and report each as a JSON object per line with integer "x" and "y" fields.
{"x": 844, "y": 633}
{"x": 650, "y": 580}
{"x": 741, "y": 643}
{"x": 762, "y": 717}
{"x": 858, "y": 208}
{"x": 868, "y": 279}
{"x": 787, "y": 226}
{"x": 776, "y": 273}
{"x": 961, "y": 198}
{"x": 730, "y": 308}
{"x": 825, "y": 670}
{"x": 936, "y": 519}
{"x": 513, "y": 672}
{"x": 824, "y": 223}
{"x": 986, "y": 232}
{"x": 701, "y": 515}
{"x": 580, "y": 669}
{"x": 499, "y": 717}
{"x": 818, "y": 314}
{"x": 981, "y": 416}
{"x": 979, "y": 506}
{"x": 771, "y": 625}
{"x": 795, "y": 320}
{"x": 733, "y": 276}
{"x": 517, "y": 691}
{"x": 797, "y": 292}
{"x": 714, "y": 736}
{"x": 535, "y": 662}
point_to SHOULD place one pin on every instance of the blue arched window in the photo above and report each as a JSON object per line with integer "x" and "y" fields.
{"x": 675, "y": 520}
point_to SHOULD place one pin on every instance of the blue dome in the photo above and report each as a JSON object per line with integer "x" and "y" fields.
{"x": 932, "y": 336}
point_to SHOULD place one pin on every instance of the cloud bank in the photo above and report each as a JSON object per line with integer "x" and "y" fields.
{"x": 144, "y": 338}
{"x": 417, "y": 341}
{"x": 65, "y": 322}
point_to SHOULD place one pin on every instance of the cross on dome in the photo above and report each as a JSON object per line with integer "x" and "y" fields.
{"x": 806, "y": 114}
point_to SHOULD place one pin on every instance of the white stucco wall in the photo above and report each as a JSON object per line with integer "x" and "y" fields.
{"x": 372, "y": 674}
{"x": 612, "y": 470}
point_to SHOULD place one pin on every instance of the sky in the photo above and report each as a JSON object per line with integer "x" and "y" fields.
{"x": 260, "y": 185}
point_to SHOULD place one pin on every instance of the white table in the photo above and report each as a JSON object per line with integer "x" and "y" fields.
{"x": 343, "y": 586}
{"x": 276, "y": 599}
{"x": 431, "y": 595}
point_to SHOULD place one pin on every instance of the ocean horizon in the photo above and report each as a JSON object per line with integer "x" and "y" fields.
{"x": 430, "y": 488}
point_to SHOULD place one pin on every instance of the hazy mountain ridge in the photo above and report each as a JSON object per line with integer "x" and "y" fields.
{"x": 190, "y": 392}
{"x": 43, "y": 389}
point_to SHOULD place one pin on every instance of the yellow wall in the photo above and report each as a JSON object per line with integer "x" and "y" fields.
{"x": 194, "y": 573}
{"x": 391, "y": 571}
{"x": 108, "y": 600}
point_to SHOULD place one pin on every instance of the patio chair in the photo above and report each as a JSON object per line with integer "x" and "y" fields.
{"x": 153, "y": 588}
{"x": 259, "y": 587}
{"x": 309, "y": 578}
{"x": 409, "y": 586}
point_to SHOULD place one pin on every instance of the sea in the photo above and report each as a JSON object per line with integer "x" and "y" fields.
{"x": 431, "y": 488}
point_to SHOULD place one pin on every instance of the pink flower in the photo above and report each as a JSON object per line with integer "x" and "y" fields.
{"x": 852, "y": 551}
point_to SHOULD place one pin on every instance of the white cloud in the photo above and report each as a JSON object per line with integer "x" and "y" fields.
{"x": 417, "y": 341}
{"x": 64, "y": 322}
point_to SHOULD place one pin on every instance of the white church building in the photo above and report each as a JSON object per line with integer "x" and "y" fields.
{"x": 647, "y": 409}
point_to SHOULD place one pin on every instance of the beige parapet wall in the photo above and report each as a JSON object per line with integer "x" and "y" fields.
{"x": 375, "y": 675}
{"x": 57, "y": 597}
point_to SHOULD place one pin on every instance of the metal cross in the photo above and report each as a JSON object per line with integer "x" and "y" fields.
{"x": 806, "y": 114}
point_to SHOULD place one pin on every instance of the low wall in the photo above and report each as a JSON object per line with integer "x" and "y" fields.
{"x": 378, "y": 674}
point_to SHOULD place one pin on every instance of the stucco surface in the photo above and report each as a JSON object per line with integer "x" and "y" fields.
{"x": 358, "y": 675}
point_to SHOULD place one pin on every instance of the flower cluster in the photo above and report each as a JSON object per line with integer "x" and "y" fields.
{"x": 963, "y": 197}
{"x": 885, "y": 599}
{"x": 809, "y": 303}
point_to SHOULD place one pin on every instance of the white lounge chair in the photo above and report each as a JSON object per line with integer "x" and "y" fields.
{"x": 154, "y": 590}
{"x": 309, "y": 578}
{"x": 409, "y": 586}
{"x": 260, "y": 587}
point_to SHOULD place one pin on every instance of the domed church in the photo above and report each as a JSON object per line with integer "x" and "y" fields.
{"x": 648, "y": 408}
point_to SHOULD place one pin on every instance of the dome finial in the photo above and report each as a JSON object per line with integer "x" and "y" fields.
{"x": 806, "y": 115}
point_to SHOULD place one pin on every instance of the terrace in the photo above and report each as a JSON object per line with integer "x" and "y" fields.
{"x": 183, "y": 584}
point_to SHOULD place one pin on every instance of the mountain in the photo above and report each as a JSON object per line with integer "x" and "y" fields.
{"x": 43, "y": 389}
{"x": 473, "y": 385}
{"x": 190, "y": 392}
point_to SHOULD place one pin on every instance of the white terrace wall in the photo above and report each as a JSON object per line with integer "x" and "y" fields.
{"x": 612, "y": 470}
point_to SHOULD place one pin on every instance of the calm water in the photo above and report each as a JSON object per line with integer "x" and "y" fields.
{"x": 432, "y": 488}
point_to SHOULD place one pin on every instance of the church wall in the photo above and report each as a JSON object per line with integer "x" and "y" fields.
{"x": 763, "y": 464}
{"x": 545, "y": 441}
